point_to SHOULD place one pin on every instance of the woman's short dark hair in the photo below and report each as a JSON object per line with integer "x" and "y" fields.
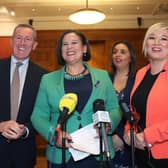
{"x": 132, "y": 65}
{"x": 86, "y": 56}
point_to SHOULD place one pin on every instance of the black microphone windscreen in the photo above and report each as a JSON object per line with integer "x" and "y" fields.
{"x": 124, "y": 107}
{"x": 98, "y": 105}
{"x": 126, "y": 111}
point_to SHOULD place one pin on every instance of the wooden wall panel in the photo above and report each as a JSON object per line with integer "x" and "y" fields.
{"x": 98, "y": 59}
{"x": 100, "y": 41}
{"x": 45, "y": 57}
{"x": 5, "y": 47}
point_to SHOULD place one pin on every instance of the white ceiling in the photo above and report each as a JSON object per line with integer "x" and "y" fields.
{"x": 23, "y": 8}
{"x": 58, "y": 10}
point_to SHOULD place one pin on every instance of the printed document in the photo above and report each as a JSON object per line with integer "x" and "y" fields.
{"x": 85, "y": 142}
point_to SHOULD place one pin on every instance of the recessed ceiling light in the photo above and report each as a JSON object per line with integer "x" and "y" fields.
{"x": 137, "y": 8}
{"x": 33, "y": 9}
{"x": 12, "y": 13}
{"x": 3, "y": 10}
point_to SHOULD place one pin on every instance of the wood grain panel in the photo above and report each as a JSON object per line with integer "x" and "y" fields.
{"x": 98, "y": 59}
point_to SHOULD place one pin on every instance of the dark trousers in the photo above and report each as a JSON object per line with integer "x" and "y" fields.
{"x": 9, "y": 163}
{"x": 145, "y": 160}
{"x": 14, "y": 156}
{"x": 15, "y": 162}
{"x": 89, "y": 162}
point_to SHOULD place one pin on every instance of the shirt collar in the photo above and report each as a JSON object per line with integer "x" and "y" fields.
{"x": 14, "y": 60}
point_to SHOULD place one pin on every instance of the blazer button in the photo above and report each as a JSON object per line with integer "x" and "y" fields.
{"x": 79, "y": 118}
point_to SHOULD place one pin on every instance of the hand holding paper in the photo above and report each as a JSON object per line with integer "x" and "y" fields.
{"x": 85, "y": 141}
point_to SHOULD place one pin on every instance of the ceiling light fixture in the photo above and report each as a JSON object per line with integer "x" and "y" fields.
{"x": 87, "y": 16}
{"x": 3, "y": 10}
{"x": 12, "y": 13}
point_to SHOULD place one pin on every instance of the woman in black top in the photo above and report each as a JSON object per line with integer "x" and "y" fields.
{"x": 123, "y": 66}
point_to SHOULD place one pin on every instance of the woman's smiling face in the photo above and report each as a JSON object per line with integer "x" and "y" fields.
{"x": 121, "y": 56}
{"x": 72, "y": 48}
{"x": 157, "y": 44}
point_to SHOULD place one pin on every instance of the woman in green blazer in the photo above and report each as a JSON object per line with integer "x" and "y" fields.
{"x": 89, "y": 84}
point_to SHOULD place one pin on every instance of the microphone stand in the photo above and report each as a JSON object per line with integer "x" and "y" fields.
{"x": 101, "y": 146}
{"x": 99, "y": 105}
{"x": 107, "y": 162}
{"x": 132, "y": 122}
{"x": 63, "y": 127}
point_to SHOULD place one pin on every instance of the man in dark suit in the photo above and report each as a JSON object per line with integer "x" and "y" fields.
{"x": 17, "y": 136}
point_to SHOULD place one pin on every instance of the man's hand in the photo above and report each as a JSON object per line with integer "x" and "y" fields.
{"x": 11, "y": 130}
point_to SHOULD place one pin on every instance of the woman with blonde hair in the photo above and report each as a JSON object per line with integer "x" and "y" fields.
{"x": 149, "y": 101}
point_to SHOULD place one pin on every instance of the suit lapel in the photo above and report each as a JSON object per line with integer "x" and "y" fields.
{"x": 5, "y": 89}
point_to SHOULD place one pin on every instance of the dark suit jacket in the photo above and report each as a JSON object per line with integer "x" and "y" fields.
{"x": 24, "y": 149}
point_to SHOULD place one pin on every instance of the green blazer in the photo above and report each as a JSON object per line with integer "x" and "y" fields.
{"x": 46, "y": 110}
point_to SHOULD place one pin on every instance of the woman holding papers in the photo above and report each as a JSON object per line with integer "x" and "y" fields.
{"x": 78, "y": 78}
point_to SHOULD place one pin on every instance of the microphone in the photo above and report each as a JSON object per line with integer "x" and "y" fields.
{"x": 67, "y": 105}
{"x": 101, "y": 117}
{"x": 127, "y": 113}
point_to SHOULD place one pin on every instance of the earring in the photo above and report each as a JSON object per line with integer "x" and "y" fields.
{"x": 84, "y": 54}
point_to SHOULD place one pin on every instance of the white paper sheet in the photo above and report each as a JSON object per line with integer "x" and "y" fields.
{"x": 85, "y": 142}
{"x": 78, "y": 155}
